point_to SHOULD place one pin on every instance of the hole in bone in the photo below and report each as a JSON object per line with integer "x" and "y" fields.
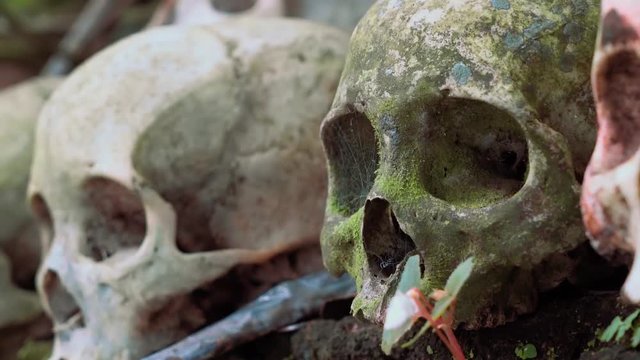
{"x": 42, "y": 213}
{"x": 351, "y": 149}
{"x": 385, "y": 244}
{"x": 64, "y": 308}
{"x": 475, "y": 153}
{"x": 233, "y": 6}
{"x": 116, "y": 222}
{"x": 618, "y": 82}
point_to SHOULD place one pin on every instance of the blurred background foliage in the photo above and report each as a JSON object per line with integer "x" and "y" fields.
{"x": 54, "y": 36}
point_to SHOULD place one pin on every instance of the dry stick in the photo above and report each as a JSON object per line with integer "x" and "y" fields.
{"x": 284, "y": 304}
{"x": 163, "y": 13}
{"x": 89, "y": 23}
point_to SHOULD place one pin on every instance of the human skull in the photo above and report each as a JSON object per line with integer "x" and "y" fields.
{"x": 610, "y": 198}
{"x": 461, "y": 128}
{"x": 168, "y": 159}
{"x": 19, "y": 244}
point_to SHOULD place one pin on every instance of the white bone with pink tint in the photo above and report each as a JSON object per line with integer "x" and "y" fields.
{"x": 610, "y": 197}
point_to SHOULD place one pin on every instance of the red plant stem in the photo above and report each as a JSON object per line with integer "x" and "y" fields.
{"x": 440, "y": 326}
{"x": 444, "y": 333}
{"x": 455, "y": 348}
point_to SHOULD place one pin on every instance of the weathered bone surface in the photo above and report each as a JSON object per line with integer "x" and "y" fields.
{"x": 610, "y": 197}
{"x": 461, "y": 128}
{"x": 19, "y": 244}
{"x": 168, "y": 159}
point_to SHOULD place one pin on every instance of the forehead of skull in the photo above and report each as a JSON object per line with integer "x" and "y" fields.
{"x": 95, "y": 116}
{"x": 93, "y": 123}
{"x": 489, "y": 49}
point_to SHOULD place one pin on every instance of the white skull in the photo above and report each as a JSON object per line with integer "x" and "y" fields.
{"x": 168, "y": 159}
{"x": 19, "y": 108}
{"x": 611, "y": 195}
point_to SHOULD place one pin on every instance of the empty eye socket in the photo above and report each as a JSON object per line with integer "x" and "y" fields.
{"x": 233, "y": 6}
{"x": 475, "y": 153}
{"x": 63, "y": 306}
{"x": 351, "y": 149}
{"x": 116, "y": 222}
{"x": 618, "y": 84}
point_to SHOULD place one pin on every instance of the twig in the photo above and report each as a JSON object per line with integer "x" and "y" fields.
{"x": 163, "y": 13}
{"x": 89, "y": 23}
{"x": 284, "y": 304}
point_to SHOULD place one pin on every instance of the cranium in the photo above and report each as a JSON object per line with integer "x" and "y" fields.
{"x": 168, "y": 159}
{"x": 19, "y": 244}
{"x": 461, "y": 128}
{"x": 610, "y": 199}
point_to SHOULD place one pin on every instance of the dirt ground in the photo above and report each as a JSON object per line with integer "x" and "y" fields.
{"x": 565, "y": 327}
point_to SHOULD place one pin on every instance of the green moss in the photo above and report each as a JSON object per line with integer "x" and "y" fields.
{"x": 399, "y": 186}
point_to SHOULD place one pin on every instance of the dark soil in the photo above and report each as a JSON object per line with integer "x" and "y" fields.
{"x": 565, "y": 327}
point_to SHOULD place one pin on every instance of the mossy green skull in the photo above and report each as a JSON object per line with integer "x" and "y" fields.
{"x": 460, "y": 129}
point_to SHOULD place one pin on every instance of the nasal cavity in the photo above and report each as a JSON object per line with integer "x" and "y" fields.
{"x": 475, "y": 154}
{"x": 115, "y": 219}
{"x": 385, "y": 244}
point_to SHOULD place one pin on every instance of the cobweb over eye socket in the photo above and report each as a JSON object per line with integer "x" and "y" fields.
{"x": 351, "y": 149}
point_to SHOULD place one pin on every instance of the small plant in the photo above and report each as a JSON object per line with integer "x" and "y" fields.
{"x": 409, "y": 304}
{"x": 618, "y": 328}
{"x": 527, "y": 351}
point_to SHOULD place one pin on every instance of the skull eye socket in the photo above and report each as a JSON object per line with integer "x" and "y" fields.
{"x": 233, "y": 6}
{"x": 475, "y": 153}
{"x": 116, "y": 222}
{"x": 351, "y": 149}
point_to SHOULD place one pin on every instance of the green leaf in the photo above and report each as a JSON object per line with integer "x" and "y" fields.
{"x": 611, "y": 330}
{"x": 401, "y": 311}
{"x": 635, "y": 340}
{"x": 458, "y": 277}
{"x": 456, "y": 280}
{"x": 410, "y": 277}
{"x": 401, "y": 314}
{"x": 626, "y": 325}
{"x": 413, "y": 340}
{"x": 527, "y": 351}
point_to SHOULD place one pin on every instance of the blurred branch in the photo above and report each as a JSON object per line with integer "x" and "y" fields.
{"x": 94, "y": 17}
{"x": 284, "y": 304}
{"x": 163, "y": 13}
